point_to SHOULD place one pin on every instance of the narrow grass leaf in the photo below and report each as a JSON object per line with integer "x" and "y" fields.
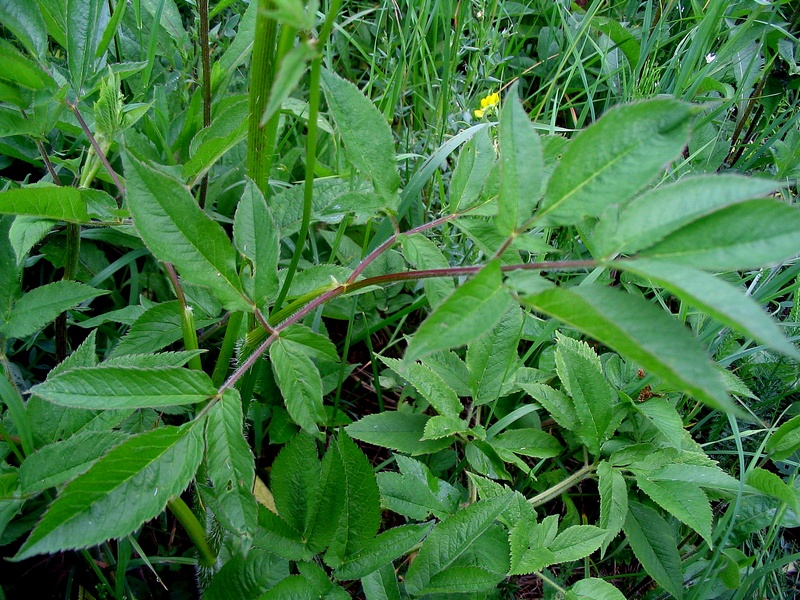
{"x": 473, "y": 309}
{"x": 39, "y": 307}
{"x": 614, "y": 158}
{"x": 177, "y": 231}
{"x": 105, "y": 388}
{"x": 128, "y": 486}
{"x": 639, "y": 331}
{"x": 652, "y": 542}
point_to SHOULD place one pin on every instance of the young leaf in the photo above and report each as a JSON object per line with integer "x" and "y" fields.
{"x": 450, "y": 539}
{"x": 300, "y": 384}
{"x": 382, "y": 551}
{"x": 614, "y": 158}
{"x": 106, "y": 388}
{"x": 177, "y": 231}
{"x": 256, "y": 236}
{"x": 582, "y": 376}
{"x": 641, "y": 332}
{"x": 685, "y": 501}
{"x": 50, "y": 202}
{"x": 750, "y": 234}
{"x": 34, "y": 310}
{"x": 399, "y": 431}
{"x": 295, "y": 474}
{"x": 128, "y": 486}
{"x": 429, "y": 385}
{"x": 361, "y": 511}
{"x": 613, "y": 501}
{"x": 367, "y": 138}
{"x": 473, "y": 309}
{"x": 652, "y": 542}
{"x": 491, "y": 358}
{"x": 521, "y": 166}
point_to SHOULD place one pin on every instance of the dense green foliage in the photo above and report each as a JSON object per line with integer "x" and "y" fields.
{"x": 424, "y": 299}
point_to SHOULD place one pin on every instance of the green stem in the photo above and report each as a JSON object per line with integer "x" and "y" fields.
{"x": 560, "y": 488}
{"x": 228, "y": 346}
{"x": 187, "y": 320}
{"x": 194, "y": 529}
{"x": 205, "y": 57}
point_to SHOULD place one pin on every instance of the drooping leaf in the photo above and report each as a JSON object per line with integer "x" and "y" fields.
{"x": 521, "y": 166}
{"x": 639, "y": 331}
{"x": 685, "y": 501}
{"x": 450, "y": 539}
{"x": 104, "y": 388}
{"x": 399, "y": 431}
{"x": 295, "y": 474}
{"x": 177, "y": 231}
{"x": 39, "y": 307}
{"x": 128, "y": 486}
{"x": 613, "y": 501}
{"x": 367, "y": 138}
{"x": 614, "y": 158}
{"x": 300, "y": 384}
{"x": 492, "y": 357}
{"x": 786, "y": 439}
{"x": 440, "y": 396}
{"x": 652, "y": 542}
{"x": 257, "y": 238}
{"x": 382, "y": 550}
{"x": 472, "y": 310}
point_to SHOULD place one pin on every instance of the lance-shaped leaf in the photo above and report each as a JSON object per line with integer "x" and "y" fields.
{"x": 440, "y": 396}
{"x": 125, "y": 387}
{"x": 750, "y": 234}
{"x": 473, "y": 309}
{"x": 786, "y": 439}
{"x": 716, "y": 297}
{"x": 128, "y": 486}
{"x": 475, "y": 161}
{"x": 382, "y": 550}
{"x": 366, "y": 134}
{"x": 685, "y": 501}
{"x": 86, "y": 20}
{"x": 639, "y": 331}
{"x": 50, "y": 202}
{"x": 396, "y": 430}
{"x": 177, "y": 231}
{"x": 490, "y": 359}
{"x": 613, "y": 501}
{"x": 614, "y": 158}
{"x": 521, "y": 166}
{"x": 300, "y": 384}
{"x": 42, "y": 305}
{"x": 256, "y": 236}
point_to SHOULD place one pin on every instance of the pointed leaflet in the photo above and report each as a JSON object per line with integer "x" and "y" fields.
{"x": 521, "y": 166}
{"x": 613, "y": 501}
{"x": 86, "y": 20}
{"x": 686, "y": 502}
{"x": 105, "y": 388}
{"x": 652, "y": 542}
{"x": 786, "y": 439}
{"x": 381, "y": 584}
{"x": 25, "y": 20}
{"x": 716, "y": 297}
{"x": 424, "y": 254}
{"x": 256, "y": 236}
{"x": 300, "y": 384}
{"x": 450, "y": 539}
{"x": 472, "y": 310}
{"x": 581, "y": 374}
{"x": 614, "y": 158}
{"x": 51, "y": 202}
{"x": 655, "y": 214}
{"x": 750, "y": 234}
{"x": 475, "y": 161}
{"x": 177, "y": 231}
{"x": 490, "y": 358}
{"x": 415, "y": 492}
{"x": 128, "y": 486}
{"x": 440, "y": 396}
{"x": 34, "y": 310}
{"x": 382, "y": 550}
{"x": 641, "y": 332}
{"x": 327, "y": 502}
{"x": 665, "y": 418}
{"x": 399, "y": 431}
{"x": 367, "y": 137}
{"x": 295, "y": 474}
{"x": 361, "y": 509}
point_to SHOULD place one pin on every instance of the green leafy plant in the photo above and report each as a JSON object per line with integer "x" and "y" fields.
{"x": 547, "y": 325}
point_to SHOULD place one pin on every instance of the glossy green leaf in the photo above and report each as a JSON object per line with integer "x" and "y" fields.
{"x": 300, "y": 384}
{"x": 51, "y": 202}
{"x": 655, "y": 214}
{"x": 785, "y": 441}
{"x": 128, "y": 486}
{"x": 25, "y": 21}
{"x": 295, "y": 474}
{"x": 613, "y": 501}
{"x": 641, "y": 332}
{"x": 473, "y": 309}
{"x": 34, "y": 310}
{"x": 361, "y": 511}
{"x": 440, "y": 396}
{"x": 382, "y": 550}
{"x": 367, "y": 137}
{"x": 593, "y": 588}
{"x": 450, "y": 539}
{"x": 614, "y": 158}
{"x": 86, "y": 21}
{"x": 492, "y": 358}
{"x": 685, "y": 501}
{"x": 399, "y": 431}
{"x": 654, "y": 545}
{"x": 521, "y": 166}
{"x": 257, "y": 237}
{"x": 177, "y": 231}
{"x": 415, "y": 492}
{"x": 105, "y": 388}
{"x": 750, "y": 234}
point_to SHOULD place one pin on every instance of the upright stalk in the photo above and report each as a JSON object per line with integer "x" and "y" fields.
{"x": 205, "y": 58}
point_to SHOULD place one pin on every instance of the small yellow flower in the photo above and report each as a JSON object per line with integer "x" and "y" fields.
{"x": 488, "y": 104}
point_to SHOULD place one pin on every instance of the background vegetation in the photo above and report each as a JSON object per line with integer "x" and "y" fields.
{"x": 480, "y": 299}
